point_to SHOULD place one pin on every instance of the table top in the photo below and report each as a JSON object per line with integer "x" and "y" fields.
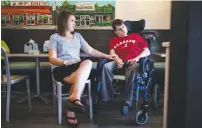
{"x": 159, "y": 54}
{"x": 81, "y": 55}
{"x": 166, "y": 44}
{"x": 27, "y": 55}
{"x": 39, "y": 55}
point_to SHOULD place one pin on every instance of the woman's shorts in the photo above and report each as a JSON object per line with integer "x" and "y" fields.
{"x": 59, "y": 73}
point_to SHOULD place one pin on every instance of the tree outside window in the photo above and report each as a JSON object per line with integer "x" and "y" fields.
{"x": 21, "y": 19}
{"x": 18, "y": 19}
{"x": 30, "y": 19}
{"x": 5, "y": 19}
{"x": 39, "y": 18}
{"x": 44, "y": 19}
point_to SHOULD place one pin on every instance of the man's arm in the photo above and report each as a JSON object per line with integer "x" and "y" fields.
{"x": 144, "y": 53}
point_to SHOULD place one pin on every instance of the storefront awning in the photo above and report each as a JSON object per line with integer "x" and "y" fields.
{"x": 24, "y": 11}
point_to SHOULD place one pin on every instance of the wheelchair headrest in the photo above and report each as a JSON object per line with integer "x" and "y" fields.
{"x": 135, "y": 26}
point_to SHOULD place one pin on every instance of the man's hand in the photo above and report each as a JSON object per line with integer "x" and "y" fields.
{"x": 119, "y": 62}
{"x": 132, "y": 61}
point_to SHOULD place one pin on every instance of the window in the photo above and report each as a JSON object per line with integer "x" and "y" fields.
{"x": 5, "y": 19}
{"x": 92, "y": 19}
{"x": 77, "y": 20}
{"x": 18, "y": 19}
{"x": 84, "y": 20}
{"x": 39, "y": 18}
{"x": 30, "y": 19}
{"x": 99, "y": 18}
{"x": 44, "y": 19}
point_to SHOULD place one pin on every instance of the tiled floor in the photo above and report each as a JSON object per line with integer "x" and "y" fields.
{"x": 42, "y": 116}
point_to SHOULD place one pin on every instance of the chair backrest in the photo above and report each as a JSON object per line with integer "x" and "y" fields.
{"x": 138, "y": 27}
{"x": 7, "y": 66}
{"x": 135, "y": 26}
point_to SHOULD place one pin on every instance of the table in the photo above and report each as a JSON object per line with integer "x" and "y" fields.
{"x": 36, "y": 56}
{"x": 166, "y": 82}
{"x": 159, "y": 54}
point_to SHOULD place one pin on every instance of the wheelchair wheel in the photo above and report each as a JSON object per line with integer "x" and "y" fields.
{"x": 140, "y": 117}
{"x": 155, "y": 96}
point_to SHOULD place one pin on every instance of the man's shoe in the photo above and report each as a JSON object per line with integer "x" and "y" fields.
{"x": 125, "y": 109}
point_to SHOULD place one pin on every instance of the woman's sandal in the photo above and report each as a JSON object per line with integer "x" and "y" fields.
{"x": 71, "y": 124}
{"x": 72, "y": 106}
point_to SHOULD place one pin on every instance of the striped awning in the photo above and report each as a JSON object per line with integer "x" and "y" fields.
{"x": 24, "y": 11}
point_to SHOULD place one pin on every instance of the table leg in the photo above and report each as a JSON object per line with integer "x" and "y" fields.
{"x": 37, "y": 95}
{"x": 165, "y": 109}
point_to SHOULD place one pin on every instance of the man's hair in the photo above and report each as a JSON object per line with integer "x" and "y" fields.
{"x": 116, "y": 22}
{"x": 62, "y": 22}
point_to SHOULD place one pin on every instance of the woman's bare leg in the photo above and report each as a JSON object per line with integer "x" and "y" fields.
{"x": 78, "y": 79}
{"x": 81, "y": 75}
{"x": 70, "y": 80}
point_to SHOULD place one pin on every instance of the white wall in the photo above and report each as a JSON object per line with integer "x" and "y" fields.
{"x": 156, "y": 13}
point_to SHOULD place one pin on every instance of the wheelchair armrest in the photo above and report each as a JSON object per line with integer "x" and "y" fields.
{"x": 148, "y": 34}
{"x": 146, "y": 65}
{"x": 142, "y": 64}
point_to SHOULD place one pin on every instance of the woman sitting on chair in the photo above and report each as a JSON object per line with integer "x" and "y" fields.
{"x": 64, "y": 54}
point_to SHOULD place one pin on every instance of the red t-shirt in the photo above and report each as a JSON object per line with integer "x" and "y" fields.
{"x": 128, "y": 47}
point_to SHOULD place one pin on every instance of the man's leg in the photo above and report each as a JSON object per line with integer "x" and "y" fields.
{"x": 107, "y": 90}
{"x": 130, "y": 74}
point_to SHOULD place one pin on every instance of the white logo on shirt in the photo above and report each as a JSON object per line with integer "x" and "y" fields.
{"x": 125, "y": 43}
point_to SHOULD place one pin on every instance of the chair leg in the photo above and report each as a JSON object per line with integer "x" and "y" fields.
{"x": 59, "y": 98}
{"x": 8, "y": 102}
{"x": 54, "y": 97}
{"x": 28, "y": 94}
{"x": 90, "y": 101}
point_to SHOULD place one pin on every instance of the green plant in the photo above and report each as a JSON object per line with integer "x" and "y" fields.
{"x": 65, "y": 3}
{"x": 5, "y": 3}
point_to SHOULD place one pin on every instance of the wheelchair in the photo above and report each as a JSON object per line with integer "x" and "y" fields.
{"x": 143, "y": 81}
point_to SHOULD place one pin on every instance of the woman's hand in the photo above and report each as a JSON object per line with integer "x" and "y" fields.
{"x": 111, "y": 57}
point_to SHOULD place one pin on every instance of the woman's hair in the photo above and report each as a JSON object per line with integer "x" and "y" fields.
{"x": 62, "y": 22}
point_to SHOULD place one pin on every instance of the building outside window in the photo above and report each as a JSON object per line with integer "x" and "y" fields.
{"x": 18, "y": 19}
{"x": 5, "y": 19}
{"x": 30, "y": 19}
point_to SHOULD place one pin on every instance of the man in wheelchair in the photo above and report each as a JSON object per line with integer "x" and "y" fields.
{"x": 129, "y": 49}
